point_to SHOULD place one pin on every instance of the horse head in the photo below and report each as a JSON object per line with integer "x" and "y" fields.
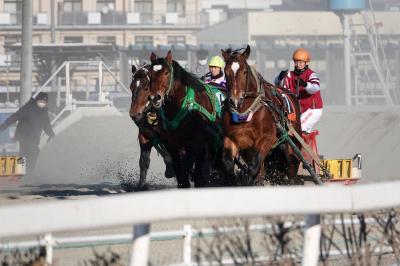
{"x": 140, "y": 88}
{"x": 237, "y": 73}
{"x": 162, "y": 78}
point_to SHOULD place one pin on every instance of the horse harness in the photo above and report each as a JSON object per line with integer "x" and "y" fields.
{"x": 280, "y": 115}
{"x": 189, "y": 104}
{"x": 262, "y": 100}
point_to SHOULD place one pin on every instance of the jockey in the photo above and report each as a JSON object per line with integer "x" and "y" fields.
{"x": 216, "y": 76}
{"x": 304, "y": 83}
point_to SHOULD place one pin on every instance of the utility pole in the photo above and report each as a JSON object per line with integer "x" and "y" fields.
{"x": 52, "y": 22}
{"x": 26, "y": 53}
{"x": 347, "y": 62}
{"x": 53, "y": 60}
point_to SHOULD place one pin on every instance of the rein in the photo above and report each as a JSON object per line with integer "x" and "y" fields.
{"x": 171, "y": 79}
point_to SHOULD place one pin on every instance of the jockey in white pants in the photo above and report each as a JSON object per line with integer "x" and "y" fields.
{"x": 304, "y": 83}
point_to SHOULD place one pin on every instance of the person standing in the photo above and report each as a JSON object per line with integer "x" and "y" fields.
{"x": 33, "y": 119}
{"x": 200, "y": 68}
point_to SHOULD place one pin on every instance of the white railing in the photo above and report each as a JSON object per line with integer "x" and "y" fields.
{"x": 70, "y": 102}
{"x": 143, "y": 208}
{"x": 187, "y": 233}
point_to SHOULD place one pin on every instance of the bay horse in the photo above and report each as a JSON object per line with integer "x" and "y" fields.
{"x": 188, "y": 111}
{"x": 142, "y": 114}
{"x": 254, "y": 112}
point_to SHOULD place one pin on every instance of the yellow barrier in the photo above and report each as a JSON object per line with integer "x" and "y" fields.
{"x": 12, "y": 166}
{"x": 339, "y": 168}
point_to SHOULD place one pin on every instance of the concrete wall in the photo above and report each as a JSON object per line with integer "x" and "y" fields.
{"x": 233, "y": 31}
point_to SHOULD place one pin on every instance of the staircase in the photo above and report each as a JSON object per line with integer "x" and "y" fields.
{"x": 69, "y": 109}
{"x": 373, "y": 83}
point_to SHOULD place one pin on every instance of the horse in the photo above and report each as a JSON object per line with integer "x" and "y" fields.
{"x": 142, "y": 114}
{"x": 253, "y": 125}
{"x": 188, "y": 111}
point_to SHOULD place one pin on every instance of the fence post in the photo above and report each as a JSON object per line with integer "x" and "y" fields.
{"x": 140, "y": 246}
{"x": 49, "y": 243}
{"x": 187, "y": 245}
{"x": 312, "y": 236}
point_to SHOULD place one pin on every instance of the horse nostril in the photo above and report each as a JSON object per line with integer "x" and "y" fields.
{"x": 158, "y": 97}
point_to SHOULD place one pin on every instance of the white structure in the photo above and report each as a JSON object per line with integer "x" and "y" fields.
{"x": 189, "y": 204}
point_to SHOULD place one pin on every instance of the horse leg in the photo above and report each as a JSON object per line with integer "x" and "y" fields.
{"x": 144, "y": 161}
{"x": 202, "y": 166}
{"x": 180, "y": 170}
{"x": 169, "y": 168}
{"x": 229, "y": 153}
{"x": 254, "y": 161}
{"x": 293, "y": 166}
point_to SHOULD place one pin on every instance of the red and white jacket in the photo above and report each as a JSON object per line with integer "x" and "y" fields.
{"x": 309, "y": 96}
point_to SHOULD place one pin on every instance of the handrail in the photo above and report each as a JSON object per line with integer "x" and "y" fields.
{"x": 116, "y": 79}
{"x": 200, "y": 203}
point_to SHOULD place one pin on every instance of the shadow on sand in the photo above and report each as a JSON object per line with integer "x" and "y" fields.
{"x": 65, "y": 191}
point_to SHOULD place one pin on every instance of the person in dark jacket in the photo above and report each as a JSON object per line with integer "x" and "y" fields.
{"x": 32, "y": 119}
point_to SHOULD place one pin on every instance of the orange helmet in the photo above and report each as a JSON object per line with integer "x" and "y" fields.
{"x": 301, "y": 54}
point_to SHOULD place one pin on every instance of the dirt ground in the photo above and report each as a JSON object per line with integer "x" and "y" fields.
{"x": 89, "y": 158}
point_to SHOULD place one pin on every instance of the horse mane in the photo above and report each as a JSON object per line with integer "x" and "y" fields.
{"x": 187, "y": 78}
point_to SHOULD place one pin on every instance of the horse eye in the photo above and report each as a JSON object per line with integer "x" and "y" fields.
{"x": 166, "y": 73}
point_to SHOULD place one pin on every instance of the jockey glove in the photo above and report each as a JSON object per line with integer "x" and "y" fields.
{"x": 282, "y": 75}
{"x": 302, "y": 82}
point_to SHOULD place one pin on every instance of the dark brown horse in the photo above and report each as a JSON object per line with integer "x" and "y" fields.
{"x": 143, "y": 116}
{"x": 252, "y": 120}
{"x": 187, "y": 111}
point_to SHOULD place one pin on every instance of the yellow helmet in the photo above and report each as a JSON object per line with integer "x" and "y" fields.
{"x": 216, "y": 61}
{"x": 301, "y": 54}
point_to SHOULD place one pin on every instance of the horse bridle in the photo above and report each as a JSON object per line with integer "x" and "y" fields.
{"x": 170, "y": 82}
{"x": 246, "y": 93}
{"x": 146, "y": 71}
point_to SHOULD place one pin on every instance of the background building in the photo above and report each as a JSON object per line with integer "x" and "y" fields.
{"x": 121, "y": 33}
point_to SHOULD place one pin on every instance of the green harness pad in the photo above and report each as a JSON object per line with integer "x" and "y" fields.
{"x": 189, "y": 104}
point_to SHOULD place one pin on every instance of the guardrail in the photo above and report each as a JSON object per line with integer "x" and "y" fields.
{"x": 142, "y": 208}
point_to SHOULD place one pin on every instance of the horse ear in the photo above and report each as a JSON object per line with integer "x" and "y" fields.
{"x": 225, "y": 54}
{"x": 246, "y": 52}
{"x": 133, "y": 69}
{"x": 169, "y": 57}
{"x": 153, "y": 57}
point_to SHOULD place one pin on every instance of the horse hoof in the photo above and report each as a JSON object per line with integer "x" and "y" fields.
{"x": 144, "y": 187}
{"x": 169, "y": 172}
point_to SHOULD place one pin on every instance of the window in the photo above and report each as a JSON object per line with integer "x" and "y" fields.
{"x": 14, "y": 7}
{"x": 105, "y": 5}
{"x": 73, "y": 39}
{"x": 72, "y": 5}
{"x": 11, "y": 39}
{"x": 176, "y": 40}
{"x": 144, "y": 40}
{"x": 106, "y": 39}
{"x": 176, "y": 6}
{"x": 144, "y": 6}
